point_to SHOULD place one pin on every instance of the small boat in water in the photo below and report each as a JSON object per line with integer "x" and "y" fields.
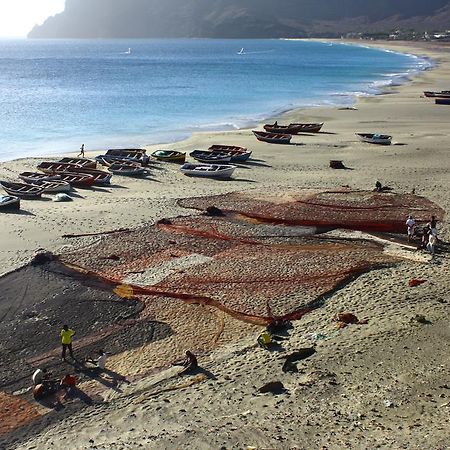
{"x": 210, "y": 157}
{"x": 208, "y": 170}
{"x": 272, "y": 138}
{"x": 294, "y": 128}
{"x": 169, "y": 155}
{"x": 31, "y": 177}
{"x": 83, "y": 162}
{"x": 22, "y": 190}
{"x": 374, "y": 138}
{"x": 442, "y": 101}
{"x": 9, "y": 203}
{"x": 238, "y": 154}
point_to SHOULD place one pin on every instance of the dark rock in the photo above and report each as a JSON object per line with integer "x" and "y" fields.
{"x": 274, "y": 387}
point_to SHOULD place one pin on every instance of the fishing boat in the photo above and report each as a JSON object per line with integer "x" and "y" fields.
{"x": 53, "y": 186}
{"x": 106, "y": 160}
{"x": 100, "y": 176}
{"x": 22, "y": 190}
{"x": 210, "y": 157}
{"x": 208, "y": 170}
{"x": 56, "y": 167}
{"x": 9, "y": 203}
{"x": 294, "y": 128}
{"x": 126, "y": 169}
{"x": 374, "y": 138}
{"x": 238, "y": 154}
{"x": 169, "y": 155}
{"x": 442, "y": 101}
{"x": 83, "y": 162}
{"x": 132, "y": 154}
{"x": 272, "y": 138}
{"x": 31, "y": 177}
{"x": 437, "y": 94}
{"x": 77, "y": 179}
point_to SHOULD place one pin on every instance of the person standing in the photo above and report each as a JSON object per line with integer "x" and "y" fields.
{"x": 433, "y": 226}
{"x": 67, "y": 335}
{"x": 81, "y": 151}
{"x": 411, "y": 224}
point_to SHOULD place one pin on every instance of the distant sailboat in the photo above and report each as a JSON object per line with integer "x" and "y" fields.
{"x": 241, "y": 51}
{"x": 128, "y": 52}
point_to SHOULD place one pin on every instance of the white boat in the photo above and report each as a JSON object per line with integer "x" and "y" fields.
{"x": 208, "y": 170}
{"x": 374, "y": 138}
{"x": 126, "y": 169}
{"x": 241, "y": 51}
{"x": 53, "y": 186}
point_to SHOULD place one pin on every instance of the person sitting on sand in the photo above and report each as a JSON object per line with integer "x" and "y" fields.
{"x": 189, "y": 363}
{"x": 99, "y": 361}
{"x": 411, "y": 225}
{"x": 39, "y": 376}
{"x": 378, "y": 187}
{"x": 265, "y": 339}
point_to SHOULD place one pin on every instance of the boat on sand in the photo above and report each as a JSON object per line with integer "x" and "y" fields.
{"x": 22, "y": 190}
{"x": 53, "y": 186}
{"x": 210, "y": 157}
{"x": 375, "y": 138}
{"x": 126, "y": 169}
{"x": 208, "y": 170}
{"x": 31, "y": 177}
{"x": 83, "y": 162}
{"x": 9, "y": 203}
{"x": 238, "y": 154}
{"x": 169, "y": 155}
{"x": 294, "y": 128}
{"x": 272, "y": 138}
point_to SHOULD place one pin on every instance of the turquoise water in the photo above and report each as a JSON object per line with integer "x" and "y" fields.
{"x": 57, "y": 94}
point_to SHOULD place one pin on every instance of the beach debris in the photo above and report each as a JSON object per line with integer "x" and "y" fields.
{"x": 298, "y": 355}
{"x": 274, "y": 387}
{"x": 213, "y": 211}
{"x": 42, "y": 257}
{"x": 62, "y": 198}
{"x": 416, "y": 282}
{"x": 420, "y": 318}
{"x": 316, "y": 336}
{"x": 164, "y": 222}
{"x": 388, "y": 403}
{"x": 337, "y": 164}
{"x": 119, "y": 230}
{"x": 344, "y": 319}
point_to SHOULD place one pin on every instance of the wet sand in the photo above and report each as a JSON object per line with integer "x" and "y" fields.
{"x": 381, "y": 384}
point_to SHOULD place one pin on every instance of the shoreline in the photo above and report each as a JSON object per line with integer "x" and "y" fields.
{"x": 353, "y": 392}
{"x": 347, "y": 99}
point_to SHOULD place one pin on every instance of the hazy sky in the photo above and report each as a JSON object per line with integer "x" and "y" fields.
{"x": 17, "y": 17}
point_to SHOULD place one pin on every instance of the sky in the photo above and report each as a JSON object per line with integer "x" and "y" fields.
{"x": 17, "y": 17}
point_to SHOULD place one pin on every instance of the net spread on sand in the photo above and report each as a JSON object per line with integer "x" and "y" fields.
{"x": 200, "y": 280}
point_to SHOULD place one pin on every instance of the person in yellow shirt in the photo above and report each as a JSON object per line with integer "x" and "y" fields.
{"x": 67, "y": 335}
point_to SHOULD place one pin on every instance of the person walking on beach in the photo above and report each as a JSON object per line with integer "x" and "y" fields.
{"x": 81, "y": 151}
{"x": 411, "y": 224}
{"x": 67, "y": 335}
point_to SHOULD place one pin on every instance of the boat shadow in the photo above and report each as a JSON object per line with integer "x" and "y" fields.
{"x": 253, "y": 163}
{"x": 18, "y": 212}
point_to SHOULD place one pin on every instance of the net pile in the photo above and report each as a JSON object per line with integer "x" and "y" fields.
{"x": 354, "y": 210}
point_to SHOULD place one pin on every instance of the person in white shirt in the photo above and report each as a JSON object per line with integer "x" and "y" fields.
{"x": 100, "y": 361}
{"x": 38, "y": 376}
{"x": 411, "y": 224}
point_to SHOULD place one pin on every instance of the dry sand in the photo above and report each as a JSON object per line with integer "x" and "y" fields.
{"x": 385, "y": 384}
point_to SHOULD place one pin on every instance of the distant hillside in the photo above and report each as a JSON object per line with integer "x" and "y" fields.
{"x": 240, "y": 18}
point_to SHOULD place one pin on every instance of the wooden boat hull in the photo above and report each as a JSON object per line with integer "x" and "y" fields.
{"x": 83, "y": 162}
{"x": 294, "y": 128}
{"x": 32, "y": 177}
{"x": 169, "y": 156}
{"x": 208, "y": 170}
{"x": 134, "y": 155}
{"x": 100, "y": 176}
{"x": 370, "y": 138}
{"x": 443, "y": 94}
{"x": 53, "y": 186}
{"x": 442, "y": 101}
{"x": 210, "y": 157}
{"x": 238, "y": 154}
{"x": 22, "y": 190}
{"x": 9, "y": 203}
{"x": 77, "y": 179}
{"x": 126, "y": 170}
{"x": 56, "y": 167}
{"x": 272, "y": 138}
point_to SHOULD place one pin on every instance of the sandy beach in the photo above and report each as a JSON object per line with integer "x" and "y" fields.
{"x": 380, "y": 384}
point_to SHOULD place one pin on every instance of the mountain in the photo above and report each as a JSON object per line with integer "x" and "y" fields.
{"x": 240, "y": 18}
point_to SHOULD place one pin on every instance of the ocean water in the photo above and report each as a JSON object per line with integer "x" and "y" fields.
{"x": 57, "y": 94}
